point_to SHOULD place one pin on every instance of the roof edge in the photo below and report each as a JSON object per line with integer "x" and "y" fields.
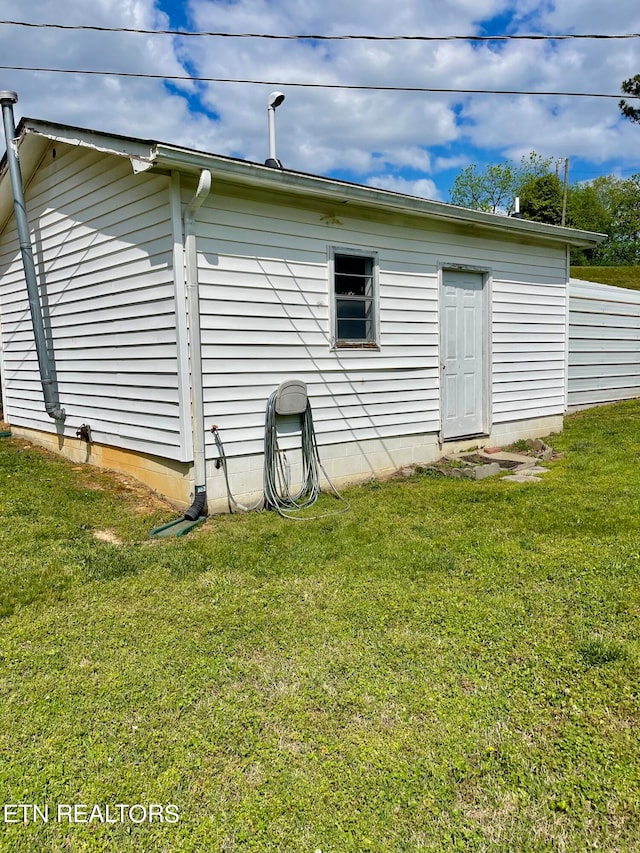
{"x": 243, "y": 171}
{"x": 149, "y": 154}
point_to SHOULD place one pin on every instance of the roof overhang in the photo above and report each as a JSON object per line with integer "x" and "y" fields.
{"x": 35, "y": 137}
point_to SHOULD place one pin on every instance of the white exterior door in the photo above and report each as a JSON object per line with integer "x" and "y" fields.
{"x": 462, "y": 354}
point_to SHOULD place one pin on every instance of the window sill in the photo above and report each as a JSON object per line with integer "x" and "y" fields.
{"x": 368, "y": 346}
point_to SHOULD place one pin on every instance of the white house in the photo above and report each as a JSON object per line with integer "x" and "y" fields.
{"x": 179, "y": 289}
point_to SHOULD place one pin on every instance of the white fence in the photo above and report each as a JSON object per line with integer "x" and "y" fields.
{"x": 604, "y": 343}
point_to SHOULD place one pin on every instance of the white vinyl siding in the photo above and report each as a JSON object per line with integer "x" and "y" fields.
{"x": 102, "y": 247}
{"x": 604, "y": 343}
{"x": 265, "y": 307}
{"x": 529, "y": 348}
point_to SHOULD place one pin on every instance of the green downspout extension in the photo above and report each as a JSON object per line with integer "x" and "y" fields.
{"x": 51, "y": 402}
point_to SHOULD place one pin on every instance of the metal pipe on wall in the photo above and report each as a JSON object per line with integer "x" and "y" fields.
{"x": 51, "y": 401}
{"x": 199, "y": 505}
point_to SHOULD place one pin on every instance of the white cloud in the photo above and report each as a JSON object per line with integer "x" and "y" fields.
{"x": 400, "y": 139}
{"x": 131, "y": 106}
{"x": 441, "y": 164}
{"x": 330, "y": 130}
{"x": 422, "y": 187}
{"x": 591, "y": 16}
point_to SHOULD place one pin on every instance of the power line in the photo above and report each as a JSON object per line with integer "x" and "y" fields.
{"x": 290, "y": 84}
{"x": 319, "y": 37}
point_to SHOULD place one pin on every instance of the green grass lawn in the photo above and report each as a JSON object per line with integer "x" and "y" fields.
{"x": 619, "y": 276}
{"x": 451, "y": 665}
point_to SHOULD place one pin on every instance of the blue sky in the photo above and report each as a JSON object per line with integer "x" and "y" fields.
{"x": 411, "y": 142}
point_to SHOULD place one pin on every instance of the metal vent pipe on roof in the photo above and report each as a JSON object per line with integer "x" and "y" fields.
{"x": 275, "y": 99}
{"x": 51, "y": 401}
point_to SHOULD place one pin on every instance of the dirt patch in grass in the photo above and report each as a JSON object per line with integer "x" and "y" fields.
{"x": 107, "y": 536}
{"x": 142, "y": 499}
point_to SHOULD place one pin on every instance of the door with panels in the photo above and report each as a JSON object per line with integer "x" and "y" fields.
{"x": 463, "y": 354}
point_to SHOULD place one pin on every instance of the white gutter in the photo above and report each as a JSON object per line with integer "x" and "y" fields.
{"x": 199, "y": 505}
{"x": 148, "y": 154}
{"x": 344, "y": 193}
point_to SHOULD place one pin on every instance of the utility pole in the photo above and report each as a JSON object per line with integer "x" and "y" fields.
{"x": 565, "y": 187}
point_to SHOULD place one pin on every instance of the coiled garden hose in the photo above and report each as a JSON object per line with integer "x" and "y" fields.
{"x": 277, "y": 492}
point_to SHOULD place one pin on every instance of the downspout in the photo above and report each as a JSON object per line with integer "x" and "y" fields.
{"x": 51, "y": 402}
{"x": 199, "y": 506}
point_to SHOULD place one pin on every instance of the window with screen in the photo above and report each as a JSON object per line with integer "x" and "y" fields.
{"x": 354, "y": 284}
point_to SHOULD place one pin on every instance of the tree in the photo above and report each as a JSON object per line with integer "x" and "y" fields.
{"x": 607, "y": 205}
{"x": 495, "y": 188}
{"x": 589, "y": 210}
{"x": 624, "y": 238}
{"x": 588, "y": 206}
{"x": 631, "y": 87}
{"x": 490, "y": 190}
{"x": 611, "y": 206}
{"x": 541, "y": 199}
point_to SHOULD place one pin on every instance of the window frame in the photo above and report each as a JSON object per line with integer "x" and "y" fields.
{"x": 356, "y": 343}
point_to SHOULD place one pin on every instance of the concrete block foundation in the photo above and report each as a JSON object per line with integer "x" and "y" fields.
{"x": 346, "y": 463}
